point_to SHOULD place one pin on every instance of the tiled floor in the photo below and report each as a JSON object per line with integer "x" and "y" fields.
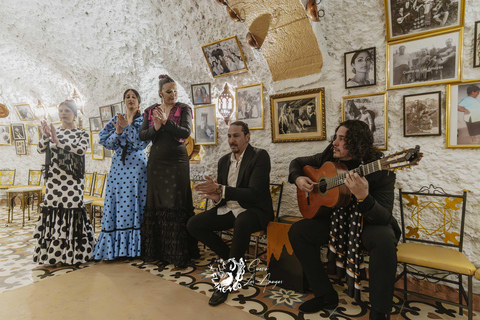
{"x": 265, "y": 301}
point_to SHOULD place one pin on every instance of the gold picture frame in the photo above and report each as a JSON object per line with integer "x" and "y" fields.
{"x": 24, "y": 112}
{"x": 225, "y": 57}
{"x": 5, "y": 135}
{"x": 33, "y": 134}
{"x": 205, "y": 125}
{"x": 298, "y": 116}
{"x": 373, "y": 110}
{"x": 249, "y": 105}
{"x": 96, "y": 147}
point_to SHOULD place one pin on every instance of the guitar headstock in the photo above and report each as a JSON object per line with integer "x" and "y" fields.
{"x": 403, "y": 159}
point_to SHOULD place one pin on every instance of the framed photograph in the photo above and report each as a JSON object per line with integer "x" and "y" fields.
{"x": 5, "y": 135}
{"x": 97, "y": 148}
{"x": 463, "y": 115}
{"x": 95, "y": 124}
{"x": 371, "y": 109}
{"x": 105, "y": 113}
{"x": 20, "y": 147}
{"x": 298, "y": 116}
{"x": 117, "y": 108}
{"x": 104, "y": 123}
{"x": 249, "y": 100}
{"x": 476, "y": 46}
{"x": 53, "y": 114}
{"x": 225, "y": 57}
{"x": 425, "y": 60}
{"x": 406, "y": 18}
{"x": 201, "y": 94}
{"x": 24, "y": 112}
{"x": 205, "y": 125}
{"x": 33, "y": 135}
{"x": 360, "y": 68}
{"x": 18, "y": 131}
{"x": 108, "y": 153}
{"x": 421, "y": 114}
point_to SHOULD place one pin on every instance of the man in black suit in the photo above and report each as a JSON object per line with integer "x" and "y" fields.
{"x": 242, "y": 198}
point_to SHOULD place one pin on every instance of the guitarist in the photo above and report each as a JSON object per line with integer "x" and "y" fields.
{"x": 366, "y": 223}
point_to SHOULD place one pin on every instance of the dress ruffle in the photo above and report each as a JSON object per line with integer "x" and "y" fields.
{"x": 110, "y": 245}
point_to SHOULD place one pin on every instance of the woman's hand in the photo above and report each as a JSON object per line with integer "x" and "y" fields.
{"x": 118, "y": 128}
{"x": 121, "y": 121}
{"x": 53, "y": 132}
{"x": 156, "y": 119}
{"x": 163, "y": 115}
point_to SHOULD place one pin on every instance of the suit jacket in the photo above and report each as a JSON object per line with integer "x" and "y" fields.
{"x": 253, "y": 184}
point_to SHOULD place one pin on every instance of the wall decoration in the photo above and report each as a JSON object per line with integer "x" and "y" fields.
{"x": 249, "y": 100}
{"x": 5, "y": 135}
{"x": 95, "y": 124}
{"x": 205, "y": 125}
{"x": 105, "y": 113}
{"x": 410, "y": 18}
{"x": 117, "y": 108}
{"x": 201, "y": 93}
{"x": 298, "y": 116}
{"x": 225, "y": 57}
{"x": 371, "y": 109}
{"x": 463, "y": 115}
{"x": 421, "y": 114}
{"x": 97, "y": 148}
{"x": 425, "y": 60}
{"x": 89, "y": 147}
{"x": 33, "y": 135}
{"x": 4, "y": 111}
{"x": 24, "y": 112}
{"x": 108, "y": 153}
{"x": 360, "y": 68}
{"x": 53, "y": 114}
{"x": 104, "y": 123}
{"x": 18, "y": 131}
{"x": 20, "y": 147}
{"x": 476, "y": 46}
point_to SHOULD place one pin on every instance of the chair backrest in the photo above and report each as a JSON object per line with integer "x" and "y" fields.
{"x": 432, "y": 216}
{"x": 276, "y": 191}
{"x": 99, "y": 185}
{"x": 7, "y": 177}
{"x": 89, "y": 179}
{"x": 34, "y": 177}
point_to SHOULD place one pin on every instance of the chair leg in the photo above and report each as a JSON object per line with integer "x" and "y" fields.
{"x": 460, "y": 285}
{"x": 470, "y": 298}
{"x": 405, "y": 281}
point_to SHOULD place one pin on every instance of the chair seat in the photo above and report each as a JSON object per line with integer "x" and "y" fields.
{"x": 87, "y": 197}
{"x": 435, "y": 257}
{"x": 99, "y": 202}
{"x": 477, "y": 274}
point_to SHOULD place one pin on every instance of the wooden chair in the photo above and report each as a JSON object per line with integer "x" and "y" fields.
{"x": 7, "y": 180}
{"x": 34, "y": 179}
{"x": 98, "y": 200}
{"x": 89, "y": 179}
{"x": 432, "y": 226}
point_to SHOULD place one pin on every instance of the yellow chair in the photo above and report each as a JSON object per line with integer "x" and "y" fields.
{"x": 432, "y": 226}
{"x": 89, "y": 179}
{"x": 7, "y": 180}
{"x": 34, "y": 179}
{"x": 98, "y": 200}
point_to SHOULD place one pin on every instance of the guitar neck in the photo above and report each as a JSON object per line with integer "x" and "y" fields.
{"x": 362, "y": 170}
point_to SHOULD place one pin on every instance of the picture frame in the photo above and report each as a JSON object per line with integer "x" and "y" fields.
{"x": 225, "y": 57}
{"x": 422, "y": 114}
{"x": 95, "y": 124}
{"x": 298, "y": 116}
{"x": 89, "y": 146}
{"x": 97, "y": 148}
{"x": 24, "y": 112}
{"x": 205, "y": 125}
{"x": 425, "y": 60}
{"x": 201, "y": 94}
{"x": 33, "y": 134}
{"x": 372, "y": 109}
{"x": 52, "y": 112}
{"x": 5, "y": 135}
{"x": 476, "y": 45}
{"x": 463, "y": 130}
{"x": 105, "y": 113}
{"x": 249, "y": 105}
{"x": 18, "y": 131}
{"x": 359, "y": 71}
{"x": 20, "y": 147}
{"x": 104, "y": 123}
{"x": 405, "y": 20}
{"x": 117, "y": 108}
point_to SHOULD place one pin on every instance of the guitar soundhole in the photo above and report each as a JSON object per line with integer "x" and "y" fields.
{"x": 322, "y": 186}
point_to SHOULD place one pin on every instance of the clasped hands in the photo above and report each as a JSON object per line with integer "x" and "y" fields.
{"x": 121, "y": 123}
{"x": 208, "y": 189}
{"x": 159, "y": 117}
{"x": 49, "y": 131}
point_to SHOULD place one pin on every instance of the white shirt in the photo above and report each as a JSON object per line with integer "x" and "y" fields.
{"x": 233, "y": 206}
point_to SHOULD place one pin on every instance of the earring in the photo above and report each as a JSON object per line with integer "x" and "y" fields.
{"x": 354, "y": 71}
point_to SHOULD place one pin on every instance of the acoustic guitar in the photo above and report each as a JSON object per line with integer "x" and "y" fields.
{"x": 330, "y": 191}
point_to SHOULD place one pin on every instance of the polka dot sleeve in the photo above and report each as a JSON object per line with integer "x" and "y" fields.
{"x": 108, "y": 137}
{"x": 43, "y": 144}
{"x": 132, "y": 135}
{"x": 76, "y": 142}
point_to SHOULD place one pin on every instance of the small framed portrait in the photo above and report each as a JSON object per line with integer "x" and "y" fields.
{"x": 24, "y": 112}
{"x": 371, "y": 109}
{"x": 33, "y": 135}
{"x": 421, "y": 114}
{"x": 406, "y": 18}
{"x": 20, "y": 147}
{"x": 97, "y": 148}
{"x": 225, "y": 57}
{"x": 205, "y": 125}
{"x": 298, "y": 116}
{"x": 463, "y": 115}
{"x": 105, "y": 113}
{"x": 117, "y": 108}
{"x": 53, "y": 114}
{"x": 249, "y": 100}
{"x": 425, "y": 60}
{"x": 476, "y": 46}
{"x": 201, "y": 94}
{"x": 95, "y": 124}
{"x": 18, "y": 131}
{"x": 360, "y": 68}
{"x": 108, "y": 153}
{"x": 5, "y": 135}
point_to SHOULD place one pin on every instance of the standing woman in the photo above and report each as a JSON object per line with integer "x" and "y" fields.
{"x": 63, "y": 231}
{"x": 126, "y": 185}
{"x": 169, "y": 197}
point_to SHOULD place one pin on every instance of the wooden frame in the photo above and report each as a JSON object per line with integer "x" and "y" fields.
{"x": 95, "y": 124}
{"x": 225, "y": 57}
{"x": 97, "y": 148}
{"x": 422, "y": 114}
{"x": 18, "y": 131}
{"x": 476, "y": 45}
{"x": 371, "y": 109}
{"x": 205, "y": 125}
{"x": 5, "y": 135}
{"x": 24, "y": 112}
{"x": 199, "y": 97}
{"x": 250, "y": 97}
{"x": 20, "y": 147}
{"x": 52, "y": 112}
{"x": 105, "y": 113}
{"x": 421, "y": 61}
{"x": 33, "y": 134}
{"x": 293, "y": 119}
{"x": 358, "y": 68}
{"x": 117, "y": 108}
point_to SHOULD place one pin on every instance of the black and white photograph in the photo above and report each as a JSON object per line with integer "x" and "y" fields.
{"x": 53, "y": 114}
{"x": 5, "y": 135}
{"x": 20, "y": 147}
{"x": 205, "y": 125}
{"x": 116, "y": 108}
{"x": 108, "y": 153}
{"x": 24, "y": 112}
{"x": 425, "y": 60}
{"x": 201, "y": 94}
{"x": 33, "y": 135}
{"x": 97, "y": 148}
{"x": 360, "y": 68}
{"x": 95, "y": 124}
{"x": 476, "y": 46}
{"x": 105, "y": 113}
{"x": 225, "y": 57}
{"x": 421, "y": 114}
{"x": 371, "y": 109}
{"x": 406, "y": 18}
{"x": 249, "y": 100}
{"x": 18, "y": 131}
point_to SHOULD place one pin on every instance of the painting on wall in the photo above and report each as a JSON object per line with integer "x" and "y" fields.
{"x": 249, "y": 100}
{"x": 24, "y": 112}
{"x": 20, "y": 147}
{"x": 201, "y": 94}
{"x": 33, "y": 134}
{"x": 95, "y": 124}
{"x": 105, "y": 113}
{"x": 117, "y": 108}
{"x": 205, "y": 125}
{"x": 421, "y": 114}
{"x": 225, "y": 57}
{"x": 97, "y": 148}
{"x": 476, "y": 46}
{"x": 360, "y": 68}
{"x": 108, "y": 153}
{"x": 5, "y": 135}
{"x": 18, "y": 131}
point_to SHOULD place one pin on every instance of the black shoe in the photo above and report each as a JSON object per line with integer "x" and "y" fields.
{"x": 375, "y": 315}
{"x": 217, "y": 298}
{"x": 318, "y": 304}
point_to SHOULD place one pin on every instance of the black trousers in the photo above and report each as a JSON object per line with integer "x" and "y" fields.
{"x": 308, "y": 235}
{"x": 203, "y": 227}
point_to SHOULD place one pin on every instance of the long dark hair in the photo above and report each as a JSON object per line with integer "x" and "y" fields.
{"x": 136, "y": 94}
{"x": 359, "y": 141}
{"x": 164, "y": 79}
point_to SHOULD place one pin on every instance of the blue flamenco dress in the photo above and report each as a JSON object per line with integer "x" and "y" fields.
{"x": 126, "y": 192}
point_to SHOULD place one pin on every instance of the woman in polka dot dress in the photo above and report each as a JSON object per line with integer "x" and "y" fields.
{"x": 126, "y": 185}
{"x": 63, "y": 231}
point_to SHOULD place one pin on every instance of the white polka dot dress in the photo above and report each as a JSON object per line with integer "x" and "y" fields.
{"x": 126, "y": 193}
{"x": 63, "y": 231}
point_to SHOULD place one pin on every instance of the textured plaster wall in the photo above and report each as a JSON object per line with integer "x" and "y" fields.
{"x": 101, "y": 48}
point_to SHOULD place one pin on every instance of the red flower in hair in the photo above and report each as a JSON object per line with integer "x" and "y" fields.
{"x": 162, "y": 76}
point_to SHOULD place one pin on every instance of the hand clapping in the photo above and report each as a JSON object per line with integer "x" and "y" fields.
{"x": 208, "y": 189}
{"x": 159, "y": 118}
{"x": 121, "y": 123}
{"x": 45, "y": 129}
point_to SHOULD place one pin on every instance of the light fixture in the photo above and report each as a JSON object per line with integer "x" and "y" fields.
{"x": 222, "y": 2}
{"x": 252, "y": 41}
{"x": 312, "y": 10}
{"x": 40, "y": 110}
{"x": 225, "y": 104}
{"x": 234, "y": 15}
